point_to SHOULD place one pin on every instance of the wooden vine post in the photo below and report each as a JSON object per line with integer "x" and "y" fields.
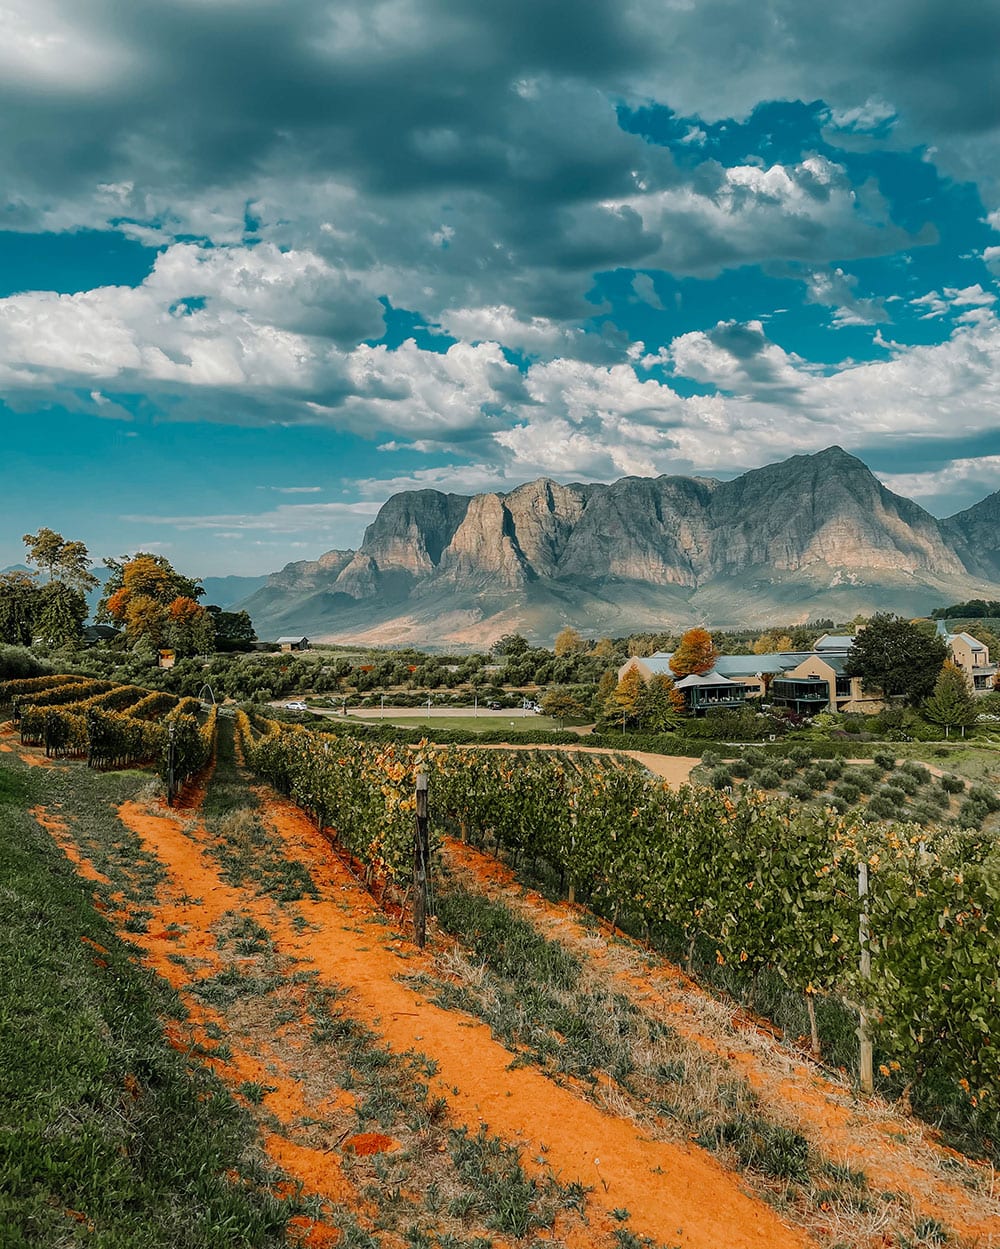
{"x": 421, "y": 863}
{"x": 864, "y": 1036}
{"x": 171, "y": 764}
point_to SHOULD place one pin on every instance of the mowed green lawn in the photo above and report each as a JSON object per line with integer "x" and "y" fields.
{"x": 467, "y": 722}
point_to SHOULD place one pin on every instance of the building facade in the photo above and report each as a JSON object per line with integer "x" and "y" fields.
{"x": 807, "y": 682}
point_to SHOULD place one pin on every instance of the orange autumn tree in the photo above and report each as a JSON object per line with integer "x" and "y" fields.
{"x": 157, "y": 605}
{"x": 695, "y": 653}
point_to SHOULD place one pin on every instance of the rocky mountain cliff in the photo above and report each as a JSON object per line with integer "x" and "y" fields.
{"x": 815, "y": 534}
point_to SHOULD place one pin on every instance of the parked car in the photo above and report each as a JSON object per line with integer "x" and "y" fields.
{"x": 494, "y": 706}
{"x": 296, "y": 707}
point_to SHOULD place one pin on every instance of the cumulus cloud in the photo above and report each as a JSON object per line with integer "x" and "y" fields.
{"x": 324, "y": 163}
{"x": 974, "y": 473}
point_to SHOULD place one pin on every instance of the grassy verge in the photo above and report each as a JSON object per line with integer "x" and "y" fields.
{"x": 106, "y": 1136}
{"x": 248, "y": 852}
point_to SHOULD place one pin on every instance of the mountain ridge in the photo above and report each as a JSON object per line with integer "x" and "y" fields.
{"x": 812, "y": 534}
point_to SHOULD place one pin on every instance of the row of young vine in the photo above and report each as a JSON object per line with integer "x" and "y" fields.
{"x": 112, "y": 726}
{"x": 770, "y": 885}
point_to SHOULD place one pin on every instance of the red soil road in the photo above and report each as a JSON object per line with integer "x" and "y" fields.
{"x": 895, "y": 1151}
{"x": 676, "y": 1194}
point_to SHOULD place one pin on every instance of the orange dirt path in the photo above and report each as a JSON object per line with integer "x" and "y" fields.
{"x": 58, "y": 830}
{"x": 676, "y": 1194}
{"x": 895, "y": 1151}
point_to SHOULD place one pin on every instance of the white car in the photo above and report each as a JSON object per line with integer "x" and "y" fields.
{"x": 296, "y": 707}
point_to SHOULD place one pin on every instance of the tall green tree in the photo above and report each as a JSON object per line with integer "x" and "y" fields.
{"x": 61, "y": 611}
{"x": 657, "y": 708}
{"x": 896, "y": 657}
{"x": 952, "y": 704}
{"x": 18, "y": 608}
{"x": 62, "y": 560}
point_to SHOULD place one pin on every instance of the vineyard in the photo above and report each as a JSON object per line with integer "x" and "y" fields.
{"x": 112, "y": 726}
{"x": 898, "y": 922}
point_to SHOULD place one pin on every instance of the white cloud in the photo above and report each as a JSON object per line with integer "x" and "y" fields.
{"x": 981, "y": 471}
{"x": 836, "y": 289}
{"x": 938, "y": 305}
{"x": 875, "y": 112}
{"x": 290, "y": 518}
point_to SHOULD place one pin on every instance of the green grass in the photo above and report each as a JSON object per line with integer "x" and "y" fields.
{"x": 466, "y": 722}
{"x": 249, "y": 853}
{"x": 106, "y": 1137}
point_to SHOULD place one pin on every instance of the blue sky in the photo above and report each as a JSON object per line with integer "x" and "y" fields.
{"x": 263, "y": 264}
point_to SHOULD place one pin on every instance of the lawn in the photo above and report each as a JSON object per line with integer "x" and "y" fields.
{"x": 466, "y": 722}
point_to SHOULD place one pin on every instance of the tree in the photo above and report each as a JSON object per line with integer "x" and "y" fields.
{"x": 61, "y": 611}
{"x": 605, "y": 688}
{"x": 695, "y": 653}
{"x": 657, "y": 708}
{"x": 951, "y": 705}
{"x": 143, "y": 574}
{"x": 68, "y": 562}
{"x": 156, "y": 604}
{"x": 18, "y": 608}
{"x": 190, "y": 628}
{"x": 603, "y": 649}
{"x": 234, "y": 629}
{"x": 562, "y": 704}
{"x": 626, "y": 698}
{"x": 772, "y": 644}
{"x": 896, "y": 657}
{"x": 568, "y": 642}
{"x": 510, "y": 644}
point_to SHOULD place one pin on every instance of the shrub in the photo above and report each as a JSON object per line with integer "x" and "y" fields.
{"x": 799, "y": 790}
{"x": 971, "y": 813}
{"x": 720, "y": 777}
{"x": 924, "y": 813}
{"x": 847, "y": 792}
{"x": 786, "y": 769}
{"x": 904, "y": 781}
{"x": 755, "y": 757}
{"x": 869, "y": 777}
{"x": 985, "y": 796}
{"x": 800, "y": 756}
{"x": 711, "y": 758}
{"x": 916, "y": 770}
{"x": 884, "y": 760}
{"x": 952, "y": 784}
{"x": 831, "y": 768}
{"x": 893, "y": 794}
{"x": 17, "y": 663}
{"x": 768, "y": 778}
{"x": 881, "y": 807}
{"x": 740, "y": 767}
{"x": 815, "y": 777}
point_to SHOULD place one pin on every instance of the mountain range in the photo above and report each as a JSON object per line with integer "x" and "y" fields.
{"x": 815, "y": 535}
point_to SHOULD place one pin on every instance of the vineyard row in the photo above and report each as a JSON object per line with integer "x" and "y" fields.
{"x": 772, "y": 886}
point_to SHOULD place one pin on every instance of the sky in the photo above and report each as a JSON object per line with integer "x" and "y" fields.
{"x": 264, "y": 263}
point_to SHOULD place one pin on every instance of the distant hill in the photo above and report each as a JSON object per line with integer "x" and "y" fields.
{"x": 814, "y": 535}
